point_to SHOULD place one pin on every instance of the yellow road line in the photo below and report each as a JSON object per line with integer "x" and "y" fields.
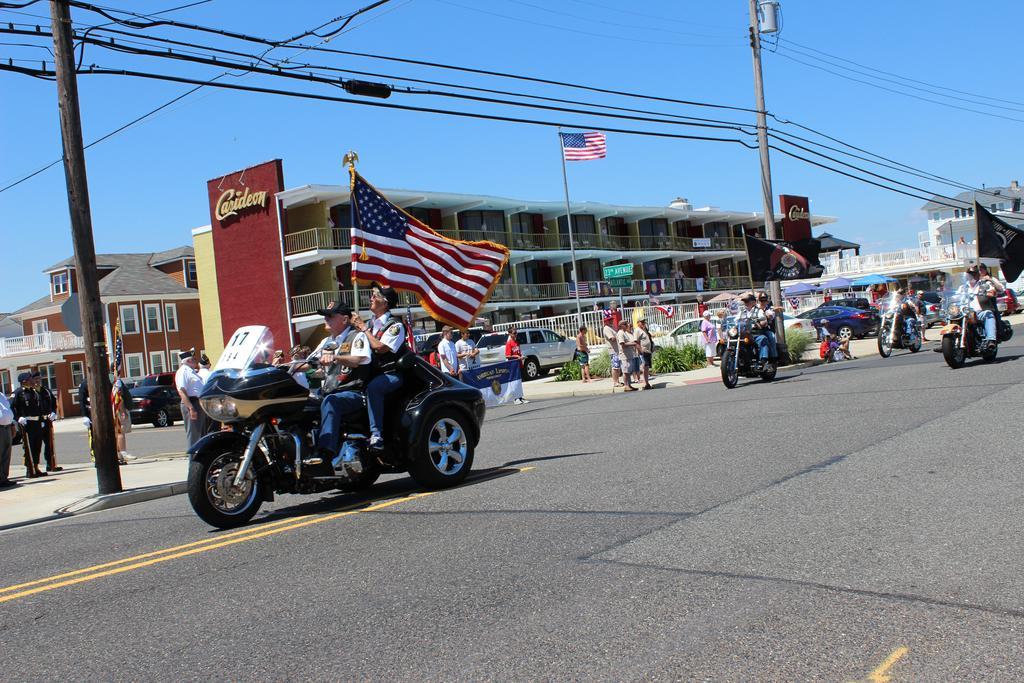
{"x": 881, "y": 673}
{"x": 219, "y": 543}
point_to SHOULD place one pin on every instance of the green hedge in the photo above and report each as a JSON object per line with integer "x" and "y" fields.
{"x": 798, "y": 342}
{"x": 678, "y": 358}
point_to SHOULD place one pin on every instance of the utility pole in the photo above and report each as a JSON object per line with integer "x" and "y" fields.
{"x": 108, "y": 476}
{"x": 774, "y": 289}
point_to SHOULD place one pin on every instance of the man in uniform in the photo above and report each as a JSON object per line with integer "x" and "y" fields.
{"x": 49, "y": 405}
{"x": 29, "y": 413}
{"x": 6, "y": 425}
{"x": 189, "y": 386}
{"x": 386, "y": 336}
{"x": 346, "y": 368}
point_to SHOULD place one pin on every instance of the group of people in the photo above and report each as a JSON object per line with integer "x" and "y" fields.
{"x": 28, "y": 417}
{"x": 456, "y": 357}
{"x": 632, "y": 350}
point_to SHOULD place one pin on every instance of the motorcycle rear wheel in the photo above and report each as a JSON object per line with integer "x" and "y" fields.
{"x": 990, "y": 355}
{"x": 768, "y": 374}
{"x": 730, "y": 374}
{"x": 443, "y": 453}
{"x": 215, "y": 499}
{"x": 953, "y": 353}
{"x": 915, "y": 346}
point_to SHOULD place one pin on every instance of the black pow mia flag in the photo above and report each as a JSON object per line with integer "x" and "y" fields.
{"x": 776, "y": 260}
{"x": 1000, "y": 240}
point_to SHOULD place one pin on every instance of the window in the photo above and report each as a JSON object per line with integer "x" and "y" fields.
{"x": 654, "y": 226}
{"x": 61, "y": 283}
{"x": 157, "y": 362}
{"x": 171, "y": 316}
{"x": 482, "y": 221}
{"x": 582, "y": 224}
{"x": 956, "y": 213}
{"x": 77, "y": 373}
{"x": 5, "y": 381}
{"x": 551, "y": 338}
{"x": 134, "y": 365}
{"x": 613, "y": 225}
{"x": 173, "y": 355}
{"x": 190, "y": 272}
{"x": 129, "y": 317}
{"x": 936, "y": 215}
{"x": 49, "y": 377}
{"x": 523, "y": 223}
{"x": 40, "y": 326}
{"x": 152, "y": 317}
{"x": 536, "y": 337}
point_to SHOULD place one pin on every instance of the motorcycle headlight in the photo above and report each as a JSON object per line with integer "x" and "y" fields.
{"x": 220, "y": 408}
{"x": 733, "y": 331}
{"x": 954, "y": 310}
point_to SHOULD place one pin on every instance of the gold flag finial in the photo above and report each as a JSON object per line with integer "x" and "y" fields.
{"x": 350, "y": 159}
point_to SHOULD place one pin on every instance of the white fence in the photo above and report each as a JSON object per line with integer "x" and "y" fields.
{"x": 39, "y": 343}
{"x": 924, "y": 257}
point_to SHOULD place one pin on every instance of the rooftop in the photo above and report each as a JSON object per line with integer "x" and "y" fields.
{"x": 985, "y": 197}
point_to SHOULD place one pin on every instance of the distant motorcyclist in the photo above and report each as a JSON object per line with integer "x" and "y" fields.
{"x": 912, "y": 308}
{"x": 769, "y": 312}
{"x": 758, "y": 321}
{"x": 983, "y": 301}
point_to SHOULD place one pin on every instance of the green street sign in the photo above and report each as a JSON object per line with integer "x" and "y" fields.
{"x": 618, "y": 272}
{"x": 620, "y": 282}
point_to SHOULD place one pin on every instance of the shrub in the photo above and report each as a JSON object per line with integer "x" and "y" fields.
{"x": 798, "y": 341}
{"x": 569, "y": 372}
{"x": 678, "y": 358}
{"x": 600, "y": 365}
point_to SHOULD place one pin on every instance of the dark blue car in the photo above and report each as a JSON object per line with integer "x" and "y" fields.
{"x": 844, "y": 321}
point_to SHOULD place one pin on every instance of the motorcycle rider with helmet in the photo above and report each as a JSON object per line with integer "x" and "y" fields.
{"x": 758, "y": 321}
{"x": 983, "y": 300}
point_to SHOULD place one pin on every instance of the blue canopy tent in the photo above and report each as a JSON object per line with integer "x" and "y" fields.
{"x": 874, "y": 279}
{"x": 799, "y": 288}
{"x": 838, "y": 283}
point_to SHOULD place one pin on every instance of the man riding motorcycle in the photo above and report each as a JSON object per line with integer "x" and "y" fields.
{"x": 764, "y": 305}
{"x": 758, "y": 321}
{"x": 983, "y": 300}
{"x": 907, "y": 309}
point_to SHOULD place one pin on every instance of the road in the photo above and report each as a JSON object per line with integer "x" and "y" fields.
{"x": 840, "y": 524}
{"x": 143, "y": 441}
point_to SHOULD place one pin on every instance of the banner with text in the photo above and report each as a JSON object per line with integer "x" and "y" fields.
{"x": 499, "y": 383}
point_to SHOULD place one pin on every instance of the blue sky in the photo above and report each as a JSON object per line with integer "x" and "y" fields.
{"x": 148, "y": 184}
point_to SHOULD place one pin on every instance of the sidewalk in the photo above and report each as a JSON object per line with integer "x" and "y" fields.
{"x": 73, "y": 491}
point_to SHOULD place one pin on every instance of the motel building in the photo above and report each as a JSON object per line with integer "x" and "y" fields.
{"x": 274, "y": 255}
{"x": 154, "y": 295}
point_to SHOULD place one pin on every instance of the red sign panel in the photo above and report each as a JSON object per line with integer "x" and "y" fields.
{"x": 796, "y": 217}
{"x": 247, "y": 247}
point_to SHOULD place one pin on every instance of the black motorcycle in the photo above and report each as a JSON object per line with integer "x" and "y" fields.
{"x": 432, "y": 427}
{"x": 963, "y": 335}
{"x": 905, "y": 335}
{"x": 740, "y": 357}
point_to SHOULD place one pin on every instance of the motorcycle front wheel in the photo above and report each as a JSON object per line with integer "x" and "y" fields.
{"x": 952, "y": 352}
{"x": 214, "y": 496}
{"x": 730, "y": 373}
{"x": 884, "y": 345}
{"x": 990, "y": 355}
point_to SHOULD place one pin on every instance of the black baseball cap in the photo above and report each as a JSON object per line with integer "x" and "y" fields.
{"x": 24, "y": 377}
{"x": 389, "y": 294}
{"x": 339, "y": 308}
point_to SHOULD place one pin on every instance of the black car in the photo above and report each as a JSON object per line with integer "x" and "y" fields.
{"x": 156, "y": 405}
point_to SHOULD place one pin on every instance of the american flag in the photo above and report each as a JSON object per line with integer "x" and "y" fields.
{"x": 667, "y": 311}
{"x": 118, "y": 349}
{"x": 582, "y": 146}
{"x": 584, "y": 288}
{"x": 452, "y": 279}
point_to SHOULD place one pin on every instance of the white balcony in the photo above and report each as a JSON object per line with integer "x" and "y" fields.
{"x": 46, "y": 342}
{"x": 900, "y": 261}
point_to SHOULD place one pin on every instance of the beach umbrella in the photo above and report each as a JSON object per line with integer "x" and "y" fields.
{"x": 799, "y": 288}
{"x": 837, "y": 283}
{"x": 874, "y": 279}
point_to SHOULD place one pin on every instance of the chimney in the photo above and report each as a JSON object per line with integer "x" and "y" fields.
{"x": 1014, "y": 185}
{"x": 681, "y": 204}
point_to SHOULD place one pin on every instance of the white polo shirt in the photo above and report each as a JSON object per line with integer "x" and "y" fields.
{"x": 189, "y": 381}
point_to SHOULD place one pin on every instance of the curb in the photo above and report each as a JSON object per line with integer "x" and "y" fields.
{"x": 106, "y": 502}
{"x": 590, "y": 393}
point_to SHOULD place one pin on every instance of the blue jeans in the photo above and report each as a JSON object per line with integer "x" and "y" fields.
{"x": 333, "y": 410}
{"x": 376, "y": 391}
{"x": 989, "y": 318}
{"x": 773, "y": 347}
{"x": 762, "y": 346}
{"x": 910, "y": 324}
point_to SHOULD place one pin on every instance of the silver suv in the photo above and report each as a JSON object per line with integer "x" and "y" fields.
{"x": 542, "y": 349}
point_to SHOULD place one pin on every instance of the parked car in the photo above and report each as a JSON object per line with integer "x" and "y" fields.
{"x": 851, "y": 302}
{"x": 932, "y": 308}
{"x": 688, "y": 332}
{"x": 843, "y": 321}
{"x": 160, "y": 379}
{"x": 155, "y": 404}
{"x": 1008, "y": 302}
{"x": 542, "y": 349}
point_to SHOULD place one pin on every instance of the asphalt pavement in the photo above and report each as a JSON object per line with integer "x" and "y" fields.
{"x": 144, "y": 441}
{"x": 855, "y": 521}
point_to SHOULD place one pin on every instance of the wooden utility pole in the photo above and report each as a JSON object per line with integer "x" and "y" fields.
{"x": 774, "y": 289}
{"x": 108, "y": 476}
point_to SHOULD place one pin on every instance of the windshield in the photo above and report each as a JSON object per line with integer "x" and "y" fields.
{"x": 489, "y": 340}
{"x": 250, "y": 346}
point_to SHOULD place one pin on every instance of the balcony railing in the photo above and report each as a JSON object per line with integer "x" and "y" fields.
{"x": 39, "y": 343}
{"x": 588, "y": 240}
{"x": 317, "y": 238}
{"x": 922, "y": 257}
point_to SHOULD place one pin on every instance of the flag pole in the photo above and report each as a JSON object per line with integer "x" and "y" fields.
{"x": 349, "y": 160}
{"x": 568, "y": 222}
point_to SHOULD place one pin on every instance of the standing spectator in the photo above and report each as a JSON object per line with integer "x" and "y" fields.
{"x": 628, "y": 359}
{"x": 120, "y": 402}
{"x": 614, "y": 314}
{"x": 701, "y": 306}
{"x": 645, "y": 345}
{"x": 204, "y": 368}
{"x": 828, "y": 296}
{"x": 709, "y": 333}
{"x": 583, "y": 353}
{"x": 513, "y": 352}
{"x": 48, "y": 403}
{"x": 83, "y": 403}
{"x": 469, "y": 355}
{"x": 189, "y": 385}
{"x": 29, "y": 414}
{"x": 6, "y": 431}
{"x": 611, "y": 336}
{"x": 447, "y": 353}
